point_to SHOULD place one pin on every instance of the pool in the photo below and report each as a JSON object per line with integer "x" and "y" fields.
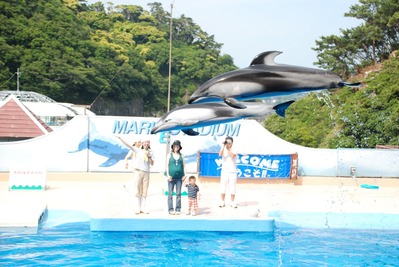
{"x": 74, "y": 244}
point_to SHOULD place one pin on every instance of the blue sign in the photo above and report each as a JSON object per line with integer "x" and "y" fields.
{"x": 248, "y": 166}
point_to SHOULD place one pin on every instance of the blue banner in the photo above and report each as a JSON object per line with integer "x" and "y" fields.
{"x": 248, "y": 166}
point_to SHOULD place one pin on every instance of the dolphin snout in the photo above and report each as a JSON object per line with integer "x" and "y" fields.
{"x": 163, "y": 126}
{"x": 155, "y": 129}
{"x": 192, "y": 99}
{"x": 343, "y": 84}
{"x": 201, "y": 92}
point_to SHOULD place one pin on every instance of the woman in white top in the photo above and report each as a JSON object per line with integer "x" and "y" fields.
{"x": 132, "y": 155}
{"x": 144, "y": 160}
{"x": 228, "y": 176}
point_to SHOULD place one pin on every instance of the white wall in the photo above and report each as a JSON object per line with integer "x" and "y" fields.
{"x": 66, "y": 149}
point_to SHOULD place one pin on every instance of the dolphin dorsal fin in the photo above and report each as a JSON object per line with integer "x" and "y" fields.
{"x": 266, "y": 58}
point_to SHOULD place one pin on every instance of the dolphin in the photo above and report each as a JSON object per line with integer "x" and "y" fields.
{"x": 187, "y": 117}
{"x": 104, "y": 145}
{"x": 263, "y": 79}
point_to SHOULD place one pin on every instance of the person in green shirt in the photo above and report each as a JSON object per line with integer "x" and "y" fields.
{"x": 176, "y": 174}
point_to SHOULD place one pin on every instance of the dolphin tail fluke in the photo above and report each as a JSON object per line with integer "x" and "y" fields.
{"x": 342, "y": 84}
{"x": 280, "y": 108}
{"x": 109, "y": 162}
{"x": 190, "y": 132}
{"x": 232, "y": 102}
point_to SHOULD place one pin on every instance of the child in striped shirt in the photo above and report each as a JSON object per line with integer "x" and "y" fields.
{"x": 193, "y": 195}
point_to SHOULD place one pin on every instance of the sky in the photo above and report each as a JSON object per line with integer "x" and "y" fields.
{"x": 247, "y": 28}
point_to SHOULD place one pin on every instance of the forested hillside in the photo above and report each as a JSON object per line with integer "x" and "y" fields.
{"x": 74, "y": 52}
{"x": 349, "y": 118}
{"x": 117, "y": 58}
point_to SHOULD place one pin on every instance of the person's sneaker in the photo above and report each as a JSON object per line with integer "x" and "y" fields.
{"x": 171, "y": 212}
{"x": 221, "y": 205}
{"x": 177, "y": 213}
{"x": 193, "y": 213}
{"x": 144, "y": 211}
{"x": 234, "y": 205}
{"x": 188, "y": 213}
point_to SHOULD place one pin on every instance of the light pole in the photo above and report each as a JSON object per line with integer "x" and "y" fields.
{"x": 170, "y": 54}
{"x": 18, "y": 74}
{"x": 169, "y": 79}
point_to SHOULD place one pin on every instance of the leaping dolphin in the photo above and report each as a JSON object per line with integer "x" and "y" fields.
{"x": 187, "y": 117}
{"x": 264, "y": 78}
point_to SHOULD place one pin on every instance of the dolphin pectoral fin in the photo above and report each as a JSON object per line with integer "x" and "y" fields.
{"x": 342, "y": 84}
{"x": 190, "y": 132}
{"x": 232, "y": 102}
{"x": 280, "y": 108}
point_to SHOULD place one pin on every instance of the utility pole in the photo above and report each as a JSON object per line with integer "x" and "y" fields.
{"x": 170, "y": 54}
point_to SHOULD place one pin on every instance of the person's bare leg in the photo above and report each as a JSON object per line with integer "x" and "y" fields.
{"x": 233, "y": 204}
{"x": 222, "y": 201}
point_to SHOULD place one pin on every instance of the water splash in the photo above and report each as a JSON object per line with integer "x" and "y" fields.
{"x": 325, "y": 96}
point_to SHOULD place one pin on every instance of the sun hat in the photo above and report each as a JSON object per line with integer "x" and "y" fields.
{"x": 176, "y": 143}
{"x": 229, "y": 138}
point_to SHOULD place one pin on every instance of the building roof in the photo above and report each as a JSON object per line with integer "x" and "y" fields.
{"x": 17, "y": 121}
{"x": 44, "y": 106}
{"x": 26, "y": 96}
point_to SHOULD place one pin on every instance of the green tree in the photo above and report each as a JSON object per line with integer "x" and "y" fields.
{"x": 75, "y": 52}
{"x": 346, "y": 118}
{"x": 367, "y": 44}
{"x": 307, "y": 121}
{"x": 370, "y": 116}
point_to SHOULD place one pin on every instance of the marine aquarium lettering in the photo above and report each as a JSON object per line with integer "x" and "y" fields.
{"x": 228, "y": 129}
{"x": 133, "y": 127}
{"x": 144, "y": 127}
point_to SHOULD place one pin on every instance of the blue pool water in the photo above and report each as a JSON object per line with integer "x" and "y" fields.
{"x": 74, "y": 244}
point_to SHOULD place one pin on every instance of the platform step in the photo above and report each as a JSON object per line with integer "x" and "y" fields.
{"x": 188, "y": 223}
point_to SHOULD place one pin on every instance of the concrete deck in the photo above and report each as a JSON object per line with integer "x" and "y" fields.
{"x": 105, "y": 200}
